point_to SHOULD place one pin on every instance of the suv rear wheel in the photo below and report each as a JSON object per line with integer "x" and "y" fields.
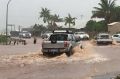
{"x": 70, "y": 52}
{"x": 44, "y": 54}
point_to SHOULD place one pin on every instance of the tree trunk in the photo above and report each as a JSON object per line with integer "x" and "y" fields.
{"x": 107, "y": 21}
{"x": 69, "y": 25}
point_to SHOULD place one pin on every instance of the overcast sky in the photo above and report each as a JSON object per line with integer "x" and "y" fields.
{"x": 26, "y": 12}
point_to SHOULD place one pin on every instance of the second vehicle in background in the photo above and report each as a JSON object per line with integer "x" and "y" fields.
{"x": 81, "y": 36}
{"x": 104, "y": 38}
{"x": 116, "y": 37}
{"x": 25, "y": 34}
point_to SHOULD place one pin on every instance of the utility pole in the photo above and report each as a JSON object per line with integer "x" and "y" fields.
{"x": 7, "y": 21}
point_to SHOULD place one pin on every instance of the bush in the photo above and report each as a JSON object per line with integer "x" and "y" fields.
{"x": 3, "y": 39}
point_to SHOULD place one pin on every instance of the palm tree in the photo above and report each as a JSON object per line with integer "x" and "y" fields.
{"x": 45, "y": 14}
{"x": 105, "y": 10}
{"x": 55, "y": 18}
{"x": 70, "y": 20}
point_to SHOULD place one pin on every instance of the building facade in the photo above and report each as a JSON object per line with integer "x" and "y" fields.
{"x": 114, "y": 27}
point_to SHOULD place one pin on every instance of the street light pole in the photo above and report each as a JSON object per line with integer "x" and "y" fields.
{"x": 7, "y": 21}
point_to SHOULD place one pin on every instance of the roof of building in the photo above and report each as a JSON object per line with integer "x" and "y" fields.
{"x": 113, "y": 23}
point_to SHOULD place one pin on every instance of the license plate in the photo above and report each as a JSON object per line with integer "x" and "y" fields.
{"x": 104, "y": 42}
{"x": 54, "y": 50}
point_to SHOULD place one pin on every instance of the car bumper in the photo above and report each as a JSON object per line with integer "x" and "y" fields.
{"x": 55, "y": 50}
{"x": 104, "y": 42}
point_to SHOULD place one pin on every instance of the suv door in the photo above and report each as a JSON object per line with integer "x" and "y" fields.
{"x": 73, "y": 42}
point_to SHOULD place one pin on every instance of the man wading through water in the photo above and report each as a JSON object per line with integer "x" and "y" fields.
{"x": 35, "y": 40}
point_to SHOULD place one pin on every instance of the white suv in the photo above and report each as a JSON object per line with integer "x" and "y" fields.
{"x": 59, "y": 42}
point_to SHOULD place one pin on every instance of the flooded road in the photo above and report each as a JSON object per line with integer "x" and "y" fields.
{"x": 88, "y": 63}
{"x": 21, "y": 49}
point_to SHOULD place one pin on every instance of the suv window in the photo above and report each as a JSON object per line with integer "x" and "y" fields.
{"x": 73, "y": 37}
{"x": 70, "y": 38}
{"x": 58, "y": 37}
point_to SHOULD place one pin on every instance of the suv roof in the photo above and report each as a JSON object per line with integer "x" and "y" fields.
{"x": 80, "y": 33}
{"x": 63, "y": 31}
{"x": 103, "y": 34}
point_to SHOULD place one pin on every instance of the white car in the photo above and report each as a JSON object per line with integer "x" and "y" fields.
{"x": 116, "y": 37}
{"x": 104, "y": 38}
{"x": 81, "y": 35}
{"x": 25, "y": 34}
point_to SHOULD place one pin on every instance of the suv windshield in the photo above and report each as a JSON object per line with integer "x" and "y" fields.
{"x": 104, "y": 36}
{"x": 116, "y": 36}
{"x": 58, "y": 37}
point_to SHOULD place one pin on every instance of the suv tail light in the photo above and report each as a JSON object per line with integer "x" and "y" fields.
{"x": 66, "y": 44}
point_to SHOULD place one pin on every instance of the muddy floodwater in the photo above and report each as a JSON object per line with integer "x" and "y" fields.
{"x": 91, "y": 62}
{"x": 86, "y": 54}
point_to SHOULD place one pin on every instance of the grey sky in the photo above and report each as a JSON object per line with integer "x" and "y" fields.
{"x": 26, "y": 12}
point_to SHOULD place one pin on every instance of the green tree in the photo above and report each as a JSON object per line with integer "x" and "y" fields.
{"x": 93, "y": 26}
{"x": 70, "y": 20}
{"x": 116, "y": 15}
{"x": 50, "y": 18}
{"x": 90, "y": 25}
{"x": 38, "y": 29}
{"x": 54, "y": 18}
{"x": 45, "y": 14}
{"x": 106, "y": 10}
